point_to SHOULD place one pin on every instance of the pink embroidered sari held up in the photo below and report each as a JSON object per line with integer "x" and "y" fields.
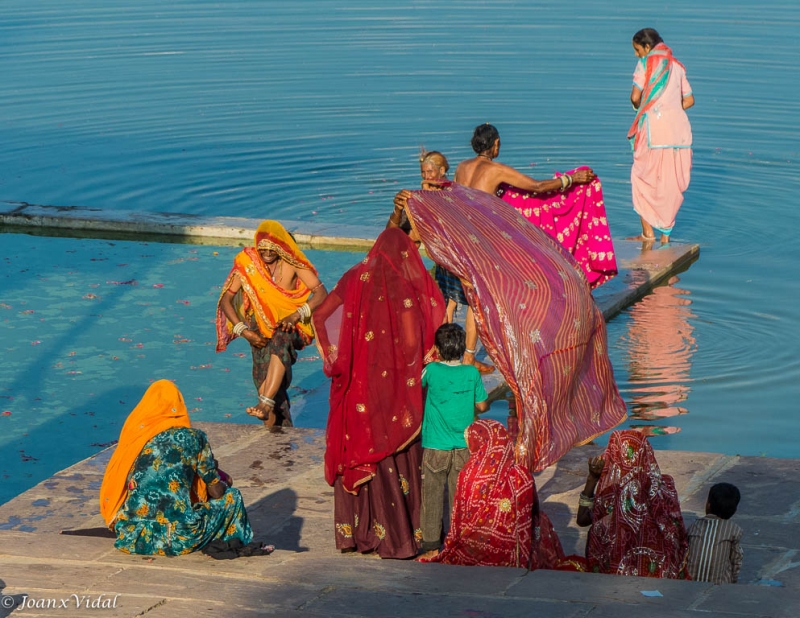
{"x": 577, "y": 219}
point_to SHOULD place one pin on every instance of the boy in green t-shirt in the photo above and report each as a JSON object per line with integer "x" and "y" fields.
{"x": 455, "y": 394}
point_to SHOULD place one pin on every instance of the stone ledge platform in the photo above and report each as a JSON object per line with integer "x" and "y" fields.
{"x": 291, "y": 506}
{"x": 641, "y": 268}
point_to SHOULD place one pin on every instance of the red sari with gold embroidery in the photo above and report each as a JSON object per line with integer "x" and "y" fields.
{"x": 637, "y": 526}
{"x": 496, "y": 511}
{"x": 373, "y": 331}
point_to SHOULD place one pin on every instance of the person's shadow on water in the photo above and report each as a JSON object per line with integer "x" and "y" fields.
{"x": 8, "y": 603}
{"x": 274, "y": 522}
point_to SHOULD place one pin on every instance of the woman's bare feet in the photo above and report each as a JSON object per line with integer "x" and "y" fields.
{"x": 265, "y": 412}
{"x": 271, "y": 422}
{"x": 428, "y": 555}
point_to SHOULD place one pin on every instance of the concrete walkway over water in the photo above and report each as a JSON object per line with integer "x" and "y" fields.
{"x": 641, "y": 268}
{"x": 290, "y": 505}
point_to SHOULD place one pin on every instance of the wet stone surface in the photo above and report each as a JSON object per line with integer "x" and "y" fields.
{"x": 291, "y": 506}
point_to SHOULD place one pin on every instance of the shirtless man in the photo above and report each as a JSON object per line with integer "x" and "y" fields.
{"x": 484, "y": 173}
{"x": 268, "y": 299}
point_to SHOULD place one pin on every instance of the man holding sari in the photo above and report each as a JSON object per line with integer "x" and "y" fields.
{"x": 373, "y": 332}
{"x": 569, "y": 208}
{"x": 162, "y": 492}
{"x": 268, "y": 299}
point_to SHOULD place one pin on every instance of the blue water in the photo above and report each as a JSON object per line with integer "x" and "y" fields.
{"x": 315, "y": 111}
{"x": 86, "y": 325}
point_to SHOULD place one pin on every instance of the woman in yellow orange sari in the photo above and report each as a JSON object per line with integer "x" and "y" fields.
{"x": 162, "y": 492}
{"x": 268, "y": 299}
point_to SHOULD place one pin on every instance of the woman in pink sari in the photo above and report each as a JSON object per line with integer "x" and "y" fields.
{"x": 660, "y": 135}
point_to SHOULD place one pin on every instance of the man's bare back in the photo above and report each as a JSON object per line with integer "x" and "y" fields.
{"x": 485, "y": 174}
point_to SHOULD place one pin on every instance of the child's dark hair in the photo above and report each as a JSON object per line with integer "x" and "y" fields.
{"x": 723, "y": 498}
{"x": 451, "y": 340}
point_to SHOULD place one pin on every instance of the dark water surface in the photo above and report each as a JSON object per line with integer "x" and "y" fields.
{"x": 315, "y": 110}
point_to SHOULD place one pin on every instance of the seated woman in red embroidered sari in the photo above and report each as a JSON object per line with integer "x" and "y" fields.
{"x": 496, "y": 519}
{"x": 373, "y": 331}
{"x": 634, "y": 513}
{"x": 569, "y": 207}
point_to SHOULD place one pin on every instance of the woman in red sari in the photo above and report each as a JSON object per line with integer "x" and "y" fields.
{"x": 496, "y": 519}
{"x": 373, "y": 332}
{"x": 637, "y": 526}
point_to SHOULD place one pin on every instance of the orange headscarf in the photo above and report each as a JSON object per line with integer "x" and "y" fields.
{"x": 259, "y": 294}
{"x": 272, "y": 235}
{"x": 161, "y": 408}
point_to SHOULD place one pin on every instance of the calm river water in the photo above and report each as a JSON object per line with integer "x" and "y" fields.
{"x": 315, "y": 110}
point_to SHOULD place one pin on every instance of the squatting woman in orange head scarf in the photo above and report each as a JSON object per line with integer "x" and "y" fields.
{"x": 268, "y": 299}
{"x": 156, "y": 489}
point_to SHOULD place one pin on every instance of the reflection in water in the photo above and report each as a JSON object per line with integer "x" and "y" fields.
{"x": 659, "y": 346}
{"x": 655, "y": 430}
